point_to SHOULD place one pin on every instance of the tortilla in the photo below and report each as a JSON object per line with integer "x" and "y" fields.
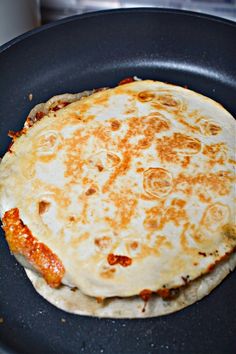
{"x": 127, "y": 191}
{"x": 74, "y": 301}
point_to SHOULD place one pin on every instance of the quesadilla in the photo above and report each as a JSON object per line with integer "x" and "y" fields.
{"x": 121, "y": 196}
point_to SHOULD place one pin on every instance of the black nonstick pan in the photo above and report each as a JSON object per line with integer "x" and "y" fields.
{"x": 96, "y": 50}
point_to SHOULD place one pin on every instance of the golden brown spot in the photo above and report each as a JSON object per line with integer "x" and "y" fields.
{"x": 148, "y": 125}
{"x": 21, "y": 241}
{"x": 47, "y": 158}
{"x": 56, "y": 194}
{"x": 175, "y": 214}
{"x": 150, "y": 224}
{"x": 124, "y": 142}
{"x": 218, "y": 182}
{"x": 121, "y": 169}
{"x": 43, "y": 207}
{"x": 83, "y": 107}
{"x": 130, "y": 111}
{"x": 147, "y": 250}
{"x": 181, "y": 119}
{"x": 147, "y": 197}
{"x": 208, "y": 127}
{"x": 103, "y": 242}
{"x": 115, "y": 125}
{"x": 184, "y": 241}
{"x": 102, "y": 133}
{"x": 90, "y": 191}
{"x": 216, "y": 152}
{"x": 111, "y": 222}
{"x": 99, "y": 299}
{"x": 144, "y": 143}
{"x": 72, "y": 218}
{"x": 157, "y": 182}
{"x": 153, "y": 124}
{"x": 140, "y": 169}
{"x": 233, "y": 162}
{"x": 124, "y": 261}
{"x": 170, "y": 148}
{"x": 104, "y": 160}
{"x": 84, "y": 211}
{"x": 86, "y": 180}
{"x": 178, "y": 202}
{"x": 74, "y": 161}
{"x": 112, "y": 159}
{"x": 194, "y": 114}
{"x": 74, "y": 115}
{"x": 133, "y": 248}
{"x": 125, "y": 208}
{"x": 134, "y": 245}
{"x": 230, "y": 232}
{"x": 203, "y": 198}
{"x": 214, "y": 129}
{"x": 167, "y": 100}
{"x": 89, "y": 117}
{"x": 46, "y": 146}
{"x": 101, "y": 98}
{"x": 185, "y": 161}
{"x": 109, "y": 273}
{"x": 77, "y": 241}
{"x": 162, "y": 241}
{"x": 153, "y": 217}
{"x": 146, "y": 96}
{"x": 186, "y": 144}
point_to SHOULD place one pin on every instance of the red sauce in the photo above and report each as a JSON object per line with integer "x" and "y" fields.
{"x": 164, "y": 293}
{"x": 126, "y": 81}
{"x": 145, "y": 294}
{"x": 114, "y": 259}
{"x": 39, "y": 115}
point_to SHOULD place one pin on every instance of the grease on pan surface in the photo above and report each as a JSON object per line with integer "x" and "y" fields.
{"x": 124, "y": 190}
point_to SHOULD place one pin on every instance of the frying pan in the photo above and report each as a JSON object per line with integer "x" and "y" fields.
{"x": 90, "y": 51}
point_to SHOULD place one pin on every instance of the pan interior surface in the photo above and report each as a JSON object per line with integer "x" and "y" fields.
{"x": 96, "y": 50}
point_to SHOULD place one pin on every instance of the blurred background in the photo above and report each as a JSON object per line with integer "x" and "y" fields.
{"x": 55, "y": 9}
{"x": 19, "y": 16}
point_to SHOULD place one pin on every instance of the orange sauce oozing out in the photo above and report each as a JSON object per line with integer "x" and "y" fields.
{"x": 21, "y": 241}
{"x": 114, "y": 259}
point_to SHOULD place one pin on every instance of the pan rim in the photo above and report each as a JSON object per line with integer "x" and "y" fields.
{"x": 4, "y": 349}
{"x": 94, "y": 14}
